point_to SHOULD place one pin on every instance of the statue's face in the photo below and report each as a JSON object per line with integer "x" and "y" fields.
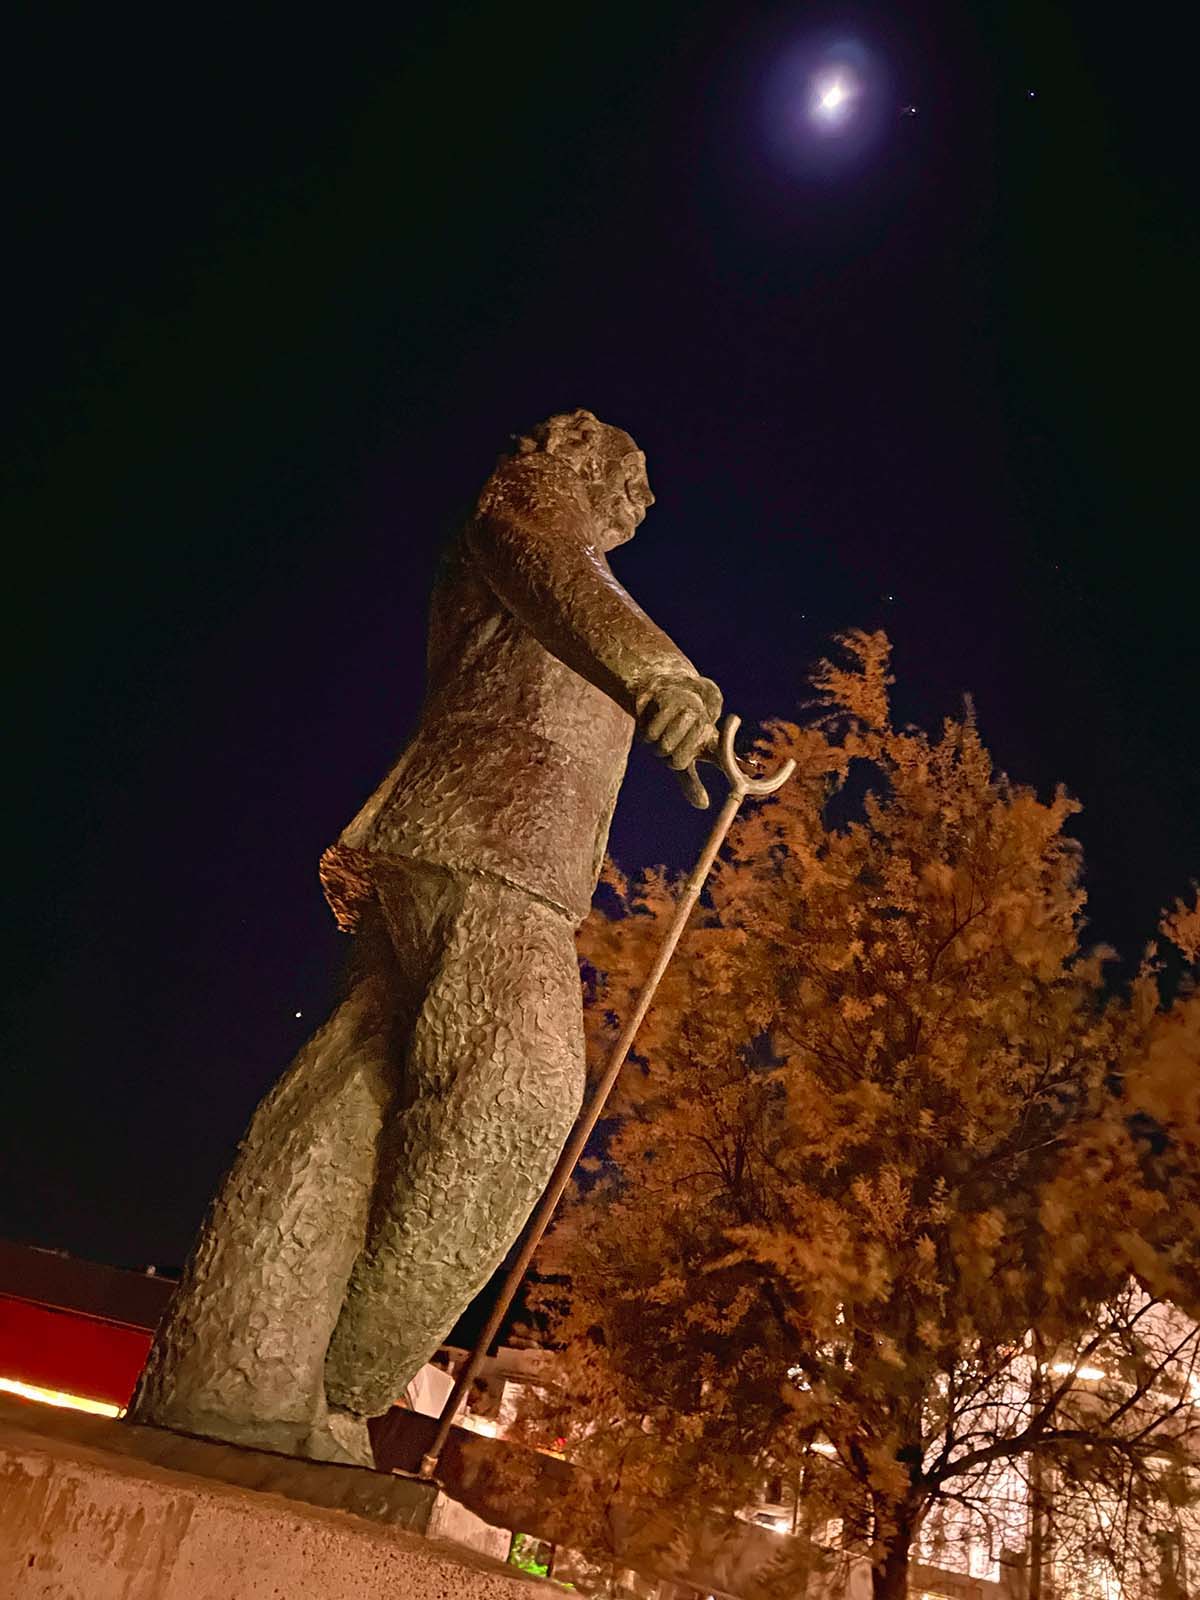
{"x": 618, "y": 488}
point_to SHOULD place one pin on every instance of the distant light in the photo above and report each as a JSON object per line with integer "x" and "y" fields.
{"x": 299, "y": 1013}
{"x": 1088, "y": 1374}
{"x": 1031, "y": 94}
{"x": 908, "y": 111}
{"x": 484, "y": 1425}
{"x": 58, "y": 1397}
{"x": 833, "y": 97}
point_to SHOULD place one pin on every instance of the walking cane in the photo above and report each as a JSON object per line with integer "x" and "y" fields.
{"x": 739, "y": 787}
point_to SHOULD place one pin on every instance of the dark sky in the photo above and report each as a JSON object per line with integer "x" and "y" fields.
{"x": 282, "y": 284}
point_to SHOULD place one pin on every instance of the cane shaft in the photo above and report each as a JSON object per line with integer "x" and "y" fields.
{"x": 581, "y": 1132}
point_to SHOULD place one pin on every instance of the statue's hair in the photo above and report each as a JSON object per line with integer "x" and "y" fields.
{"x": 573, "y": 436}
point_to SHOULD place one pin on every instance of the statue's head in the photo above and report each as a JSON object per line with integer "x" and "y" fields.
{"x": 610, "y": 464}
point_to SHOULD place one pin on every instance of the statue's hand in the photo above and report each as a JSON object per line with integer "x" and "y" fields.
{"x": 677, "y": 716}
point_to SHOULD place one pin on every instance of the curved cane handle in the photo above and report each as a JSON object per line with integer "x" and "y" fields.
{"x": 739, "y": 781}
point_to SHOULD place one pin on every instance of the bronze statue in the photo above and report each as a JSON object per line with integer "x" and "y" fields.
{"x": 385, "y": 1176}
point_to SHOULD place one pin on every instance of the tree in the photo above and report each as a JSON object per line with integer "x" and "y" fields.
{"x": 893, "y": 1176}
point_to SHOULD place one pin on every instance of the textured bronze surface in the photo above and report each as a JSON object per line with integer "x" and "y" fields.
{"x": 385, "y": 1176}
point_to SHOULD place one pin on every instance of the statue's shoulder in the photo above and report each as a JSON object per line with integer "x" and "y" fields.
{"x": 534, "y": 489}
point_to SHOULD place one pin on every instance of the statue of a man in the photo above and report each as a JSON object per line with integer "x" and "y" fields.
{"x": 385, "y": 1176}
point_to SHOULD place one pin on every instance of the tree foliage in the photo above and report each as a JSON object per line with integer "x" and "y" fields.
{"x": 893, "y": 1174}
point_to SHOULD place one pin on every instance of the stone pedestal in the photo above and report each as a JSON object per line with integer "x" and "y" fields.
{"x": 92, "y": 1509}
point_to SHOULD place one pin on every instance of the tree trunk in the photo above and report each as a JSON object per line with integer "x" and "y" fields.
{"x": 1040, "y": 1503}
{"x": 889, "y": 1581}
{"x": 1038, "y": 1585}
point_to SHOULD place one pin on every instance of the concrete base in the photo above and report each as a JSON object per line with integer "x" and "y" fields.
{"x": 92, "y": 1509}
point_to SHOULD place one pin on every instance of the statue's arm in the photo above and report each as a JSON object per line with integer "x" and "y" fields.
{"x": 534, "y": 550}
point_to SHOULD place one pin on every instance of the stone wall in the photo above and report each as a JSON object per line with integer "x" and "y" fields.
{"x": 79, "y": 1521}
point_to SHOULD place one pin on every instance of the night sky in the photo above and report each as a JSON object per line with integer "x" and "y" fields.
{"x": 282, "y": 284}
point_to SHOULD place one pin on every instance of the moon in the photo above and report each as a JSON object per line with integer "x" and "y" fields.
{"x": 827, "y": 102}
{"x": 833, "y": 97}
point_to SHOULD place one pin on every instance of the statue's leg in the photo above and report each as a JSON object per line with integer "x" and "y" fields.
{"x": 494, "y": 1079}
{"x": 240, "y": 1352}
